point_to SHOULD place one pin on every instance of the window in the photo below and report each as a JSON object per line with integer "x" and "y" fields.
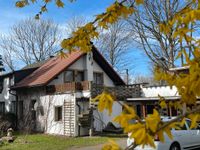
{"x": 79, "y": 76}
{"x": 32, "y": 109}
{"x": 58, "y": 113}
{"x": 73, "y": 75}
{"x": 149, "y": 109}
{"x": 189, "y": 124}
{"x": 139, "y": 111}
{"x": 174, "y": 111}
{"x": 183, "y": 127}
{"x": 32, "y": 103}
{"x": 2, "y": 107}
{"x": 98, "y": 78}
{"x": 69, "y": 76}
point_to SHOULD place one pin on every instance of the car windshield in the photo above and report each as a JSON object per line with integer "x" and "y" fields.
{"x": 189, "y": 124}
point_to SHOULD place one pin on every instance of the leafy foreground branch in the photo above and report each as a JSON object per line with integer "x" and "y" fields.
{"x": 144, "y": 131}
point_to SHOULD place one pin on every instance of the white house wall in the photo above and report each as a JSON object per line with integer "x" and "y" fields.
{"x": 78, "y": 65}
{"x": 81, "y": 65}
{"x": 52, "y": 126}
{"x": 102, "y": 118}
{"x": 46, "y": 104}
{"x": 107, "y": 80}
{"x": 5, "y": 96}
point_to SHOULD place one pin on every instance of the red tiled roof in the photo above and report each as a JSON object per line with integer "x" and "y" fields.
{"x": 52, "y": 68}
{"x": 49, "y": 70}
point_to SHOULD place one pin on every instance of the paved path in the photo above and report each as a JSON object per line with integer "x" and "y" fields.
{"x": 121, "y": 142}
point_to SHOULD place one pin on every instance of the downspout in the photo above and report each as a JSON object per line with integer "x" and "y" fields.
{"x": 79, "y": 111}
{"x": 16, "y": 108}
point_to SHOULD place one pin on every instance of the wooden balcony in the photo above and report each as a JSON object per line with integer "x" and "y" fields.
{"x": 71, "y": 86}
{"x": 121, "y": 92}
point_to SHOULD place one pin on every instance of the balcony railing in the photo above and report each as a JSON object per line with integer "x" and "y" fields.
{"x": 71, "y": 86}
{"x": 121, "y": 92}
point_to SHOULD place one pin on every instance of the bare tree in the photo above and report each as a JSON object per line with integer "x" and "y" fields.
{"x": 8, "y": 55}
{"x": 143, "y": 79}
{"x": 160, "y": 48}
{"x": 114, "y": 44}
{"x": 30, "y": 41}
{"x": 74, "y": 22}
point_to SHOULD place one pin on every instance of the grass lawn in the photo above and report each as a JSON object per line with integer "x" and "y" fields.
{"x": 49, "y": 142}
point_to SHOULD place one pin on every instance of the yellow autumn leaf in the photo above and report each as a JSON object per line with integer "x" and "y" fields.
{"x": 59, "y": 3}
{"x": 152, "y": 121}
{"x": 105, "y": 101}
{"x": 20, "y": 4}
{"x": 129, "y": 109}
{"x": 138, "y": 2}
{"x": 163, "y": 104}
{"x": 131, "y": 128}
{"x": 62, "y": 54}
{"x": 150, "y": 141}
{"x": 112, "y": 145}
{"x": 37, "y": 16}
{"x": 43, "y": 8}
{"x": 194, "y": 118}
{"x": 160, "y": 135}
{"x": 167, "y": 130}
{"x": 46, "y": 1}
{"x": 139, "y": 136}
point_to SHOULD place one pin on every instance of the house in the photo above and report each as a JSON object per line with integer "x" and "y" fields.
{"x": 149, "y": 99}
{"x": 8, "y": 97}
{"x": 56, "y": 97}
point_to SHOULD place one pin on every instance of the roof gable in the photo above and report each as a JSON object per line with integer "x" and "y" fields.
{"x": 56, "y": 65}
{"x": 108, "y": 69}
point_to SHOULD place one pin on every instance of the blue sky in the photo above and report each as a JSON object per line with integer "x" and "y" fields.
{"x": 9, "y": 15}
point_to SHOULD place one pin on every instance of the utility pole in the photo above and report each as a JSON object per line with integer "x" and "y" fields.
{"x": 127, "y": 77}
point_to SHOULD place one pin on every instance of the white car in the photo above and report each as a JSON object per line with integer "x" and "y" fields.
{"x": 184, "y": 139}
